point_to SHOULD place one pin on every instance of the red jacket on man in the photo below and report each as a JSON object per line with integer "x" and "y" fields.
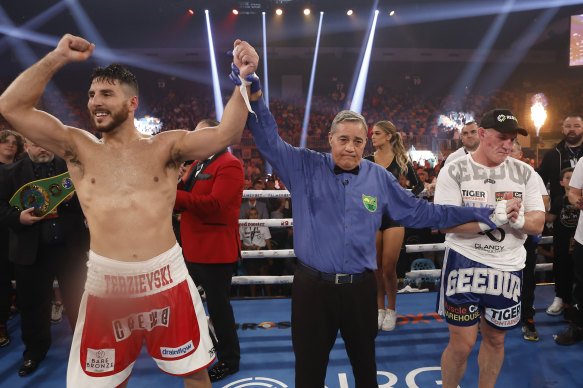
{"x": 209, "y": 226}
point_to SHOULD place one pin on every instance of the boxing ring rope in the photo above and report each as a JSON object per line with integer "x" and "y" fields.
{"x": 289, "y": 253}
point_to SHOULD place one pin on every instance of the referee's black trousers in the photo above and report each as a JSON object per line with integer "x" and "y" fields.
{"x": 321, "y": 308}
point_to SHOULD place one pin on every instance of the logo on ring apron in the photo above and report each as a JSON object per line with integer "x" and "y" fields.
{"x": 370, "y": 203}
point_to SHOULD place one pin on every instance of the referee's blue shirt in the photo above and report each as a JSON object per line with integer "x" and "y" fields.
{"x": 336, "y": 216}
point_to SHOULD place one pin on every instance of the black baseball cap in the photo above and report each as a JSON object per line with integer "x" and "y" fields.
{"x": 502, "y": 120}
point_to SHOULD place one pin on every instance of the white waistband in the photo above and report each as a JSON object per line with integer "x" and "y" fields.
{"x": 108, "y": 277}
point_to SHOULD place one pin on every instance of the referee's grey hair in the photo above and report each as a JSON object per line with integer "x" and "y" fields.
{"x": 348, "y": 115}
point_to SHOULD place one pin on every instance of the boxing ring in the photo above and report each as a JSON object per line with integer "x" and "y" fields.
{"x": 411, "y": 276}
{"x": 407, "y": 357}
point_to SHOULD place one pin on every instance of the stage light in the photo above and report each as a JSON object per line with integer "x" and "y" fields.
{"x": 304, "y": 137}
{"x": 219, "y": 108}
{"x": 391, "y": 13}
{"x": 268, "y": 168}
{"x": 358, "y": 94}
{"x": 265, "y": 74}
{"x": 307, "y": 11}
{"x": 191, "y": 12}
{"x": 478, "y": 60}
{"x": 279, "y": 11}
{"x": 235, "y": 12}
{"x": 349, "y": 12}
{"x": 498, "y": 75}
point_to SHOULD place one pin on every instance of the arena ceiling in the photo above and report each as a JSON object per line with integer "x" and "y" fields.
{"x": 420, "y": 31}
{"x": 416, "y": 24}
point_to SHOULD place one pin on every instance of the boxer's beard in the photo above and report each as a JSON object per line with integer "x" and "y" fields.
{"x": 117, "y": 118}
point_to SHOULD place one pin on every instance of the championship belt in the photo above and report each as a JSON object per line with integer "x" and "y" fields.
{"x": 43, "y": 194}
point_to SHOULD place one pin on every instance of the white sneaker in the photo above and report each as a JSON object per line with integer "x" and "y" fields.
{"x": 381, "y": 317}
{"x": 56, "y": 312}
{"x": 556, "y": 308}
{"x": 390, "y": 320}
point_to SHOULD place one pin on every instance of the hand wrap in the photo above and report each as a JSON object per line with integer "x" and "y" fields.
{"x": 498, "y": 216}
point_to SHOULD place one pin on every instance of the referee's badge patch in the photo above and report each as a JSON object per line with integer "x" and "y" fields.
{"x": 370, "y": 203}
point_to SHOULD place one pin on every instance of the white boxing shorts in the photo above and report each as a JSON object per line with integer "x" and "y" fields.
{"x": 127, "y": 303}
{"x": 470, "y": 289}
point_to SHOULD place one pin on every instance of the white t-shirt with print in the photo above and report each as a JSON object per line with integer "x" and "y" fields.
{"x": 577, "y": 183}
{"x": 254, "y": 235}
{"x": 455, "y": 155}
{"x": 467, "y": 183}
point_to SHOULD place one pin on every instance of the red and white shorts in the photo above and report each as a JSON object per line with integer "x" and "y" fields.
{"x": 125, "y": 304}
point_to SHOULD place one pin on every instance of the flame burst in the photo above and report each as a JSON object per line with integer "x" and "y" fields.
{"x": 538, "y": 112}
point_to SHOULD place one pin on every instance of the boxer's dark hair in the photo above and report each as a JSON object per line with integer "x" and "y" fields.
{"x": 115, "y": 72}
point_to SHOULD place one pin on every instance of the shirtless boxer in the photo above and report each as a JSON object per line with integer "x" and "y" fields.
{"x": 126, "y": 183}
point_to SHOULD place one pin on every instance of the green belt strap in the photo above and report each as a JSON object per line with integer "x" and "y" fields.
{"x": 44, "y": 194}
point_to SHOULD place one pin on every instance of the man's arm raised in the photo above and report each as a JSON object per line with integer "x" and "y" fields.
{"x": 202, "y": 143}
{"x": 17, "y": 103}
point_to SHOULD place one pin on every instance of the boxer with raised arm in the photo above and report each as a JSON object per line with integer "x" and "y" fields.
{"x": 126, "y": 183}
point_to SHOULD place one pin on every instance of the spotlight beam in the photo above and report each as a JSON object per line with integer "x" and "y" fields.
{"x": 410, "y": 14}
{"x": 500, "y": 73}
{"x": 86, "y": 25}
{"x": 28, "y": 35}
{"x": 358, "y": 98}
{"x": 265, "y": 77}
{"x": 37, "y": 21}
{"x": 480, "y": 56}
{"x": 268, "y": 168}
{"x": 459, "y": 10}
{"x": 352, "y": 87}
{"x": 304, "y": 138}
{"x": 216, "y": 85}
{"x": 137, "y": 61}
{"x": 26, "y": 56}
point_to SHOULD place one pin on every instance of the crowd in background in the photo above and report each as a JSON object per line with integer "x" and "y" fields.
{"x": 414, "y": 114}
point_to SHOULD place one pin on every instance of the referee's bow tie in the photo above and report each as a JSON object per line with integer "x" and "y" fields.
{"x": 338, "y": 170}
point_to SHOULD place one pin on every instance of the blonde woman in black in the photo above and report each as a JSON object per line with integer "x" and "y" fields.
{"x": 391, "y": 154}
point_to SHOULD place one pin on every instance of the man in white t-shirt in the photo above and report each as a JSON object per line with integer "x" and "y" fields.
{"x": 470, "y": 142}
{"x": 574, "y": 333}
{"x": 482, "y": 268}
{"x": 254, "y": 238}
